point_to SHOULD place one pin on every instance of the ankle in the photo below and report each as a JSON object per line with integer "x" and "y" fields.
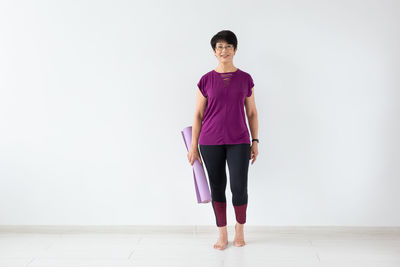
{"x": 223, "y": 231}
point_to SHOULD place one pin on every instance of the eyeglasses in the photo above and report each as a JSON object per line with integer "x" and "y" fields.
{"x": 228, "y": 47}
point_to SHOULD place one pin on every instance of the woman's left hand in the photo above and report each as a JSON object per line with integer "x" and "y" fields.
{"x": 254, "y": 152}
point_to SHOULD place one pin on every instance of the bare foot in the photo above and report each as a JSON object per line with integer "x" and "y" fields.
{"x": 222, "y": 241}
{"x": 239, "y": 235}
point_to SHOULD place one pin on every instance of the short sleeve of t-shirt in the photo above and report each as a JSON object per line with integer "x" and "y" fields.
{"x": 202, "y": 86}
{"x": 250, "y": 85}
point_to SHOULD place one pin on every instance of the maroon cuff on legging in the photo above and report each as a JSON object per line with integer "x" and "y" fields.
{"x": 220, "y": 212}
{"x": 240, "y": 212}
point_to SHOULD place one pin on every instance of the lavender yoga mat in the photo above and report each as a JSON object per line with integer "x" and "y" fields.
{"x": 200, "y": 180}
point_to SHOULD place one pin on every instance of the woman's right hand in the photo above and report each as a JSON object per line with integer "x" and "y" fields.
{"x": 193, "y": 154}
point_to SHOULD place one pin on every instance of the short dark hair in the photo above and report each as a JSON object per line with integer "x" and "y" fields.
{"x": 225, "y": 35}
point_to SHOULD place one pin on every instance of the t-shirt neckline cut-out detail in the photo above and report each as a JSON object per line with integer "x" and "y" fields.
{"x": 226, "y": 77}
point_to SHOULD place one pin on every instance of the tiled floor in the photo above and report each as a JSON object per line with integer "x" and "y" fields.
{"x": 295, "y": 247}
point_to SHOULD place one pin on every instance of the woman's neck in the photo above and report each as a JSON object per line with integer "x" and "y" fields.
{"x": 225, "y": 68}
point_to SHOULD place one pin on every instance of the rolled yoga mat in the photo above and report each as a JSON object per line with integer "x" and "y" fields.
{"x": 200, "y": 180}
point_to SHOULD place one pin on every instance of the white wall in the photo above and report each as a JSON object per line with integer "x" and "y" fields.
{"x": 94, "y": 94}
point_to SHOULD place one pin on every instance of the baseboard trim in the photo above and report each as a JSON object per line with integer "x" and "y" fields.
{"x": 168, "y": 229}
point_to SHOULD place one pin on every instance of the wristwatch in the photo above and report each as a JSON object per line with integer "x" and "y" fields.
{"x": 255, "y": 139}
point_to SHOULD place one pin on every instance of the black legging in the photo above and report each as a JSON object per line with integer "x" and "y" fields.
{"x": 237, "y": 156}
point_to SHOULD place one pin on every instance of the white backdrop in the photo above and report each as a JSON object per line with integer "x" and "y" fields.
{"x": 94, "y": 94}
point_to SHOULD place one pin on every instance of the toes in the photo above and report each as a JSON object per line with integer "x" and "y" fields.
{"x": 217, "y": 246}
{"x": 239, "y": 243}
{"x": 220, "y": 245}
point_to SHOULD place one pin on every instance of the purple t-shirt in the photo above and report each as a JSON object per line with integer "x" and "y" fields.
{"x": 224, "y": 120}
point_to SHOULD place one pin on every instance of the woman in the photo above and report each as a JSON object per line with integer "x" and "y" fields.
{"x": 221, "y": 132}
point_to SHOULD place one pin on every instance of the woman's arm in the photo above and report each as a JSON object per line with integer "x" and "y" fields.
{"x": 251, "y": 112}
{"x": 201, "y": 104}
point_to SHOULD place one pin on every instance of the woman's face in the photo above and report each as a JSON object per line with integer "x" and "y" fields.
{"x": 224, "y": 52}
